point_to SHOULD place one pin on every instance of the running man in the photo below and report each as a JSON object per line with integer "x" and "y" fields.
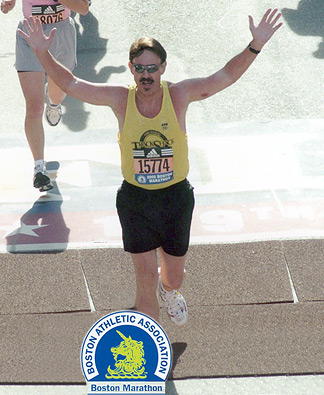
{"x": 155, "y": 201}
{"x": 32, "y": 76}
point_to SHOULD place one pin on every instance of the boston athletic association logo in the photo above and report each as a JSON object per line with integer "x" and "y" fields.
{"x": 126, "y": 352}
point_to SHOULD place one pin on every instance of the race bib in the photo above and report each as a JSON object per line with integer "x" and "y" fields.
{"x": 48, "y": 13}
{"x": 153, "y": 158}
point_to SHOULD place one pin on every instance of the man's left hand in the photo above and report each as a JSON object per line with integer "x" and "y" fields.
{"x": 266, "y": 28}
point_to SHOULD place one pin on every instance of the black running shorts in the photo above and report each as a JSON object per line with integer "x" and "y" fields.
{"x": 156, "y": 218}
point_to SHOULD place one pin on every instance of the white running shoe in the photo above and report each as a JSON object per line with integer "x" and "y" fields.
{"x": 53, "y": 113}
{"x": 174, "y": 304}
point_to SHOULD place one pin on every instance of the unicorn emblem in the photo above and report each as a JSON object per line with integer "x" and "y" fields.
{"x": 129, "y": 358}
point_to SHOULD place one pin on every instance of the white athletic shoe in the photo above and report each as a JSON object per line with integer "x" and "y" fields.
{"x": 174, "y": 304}
{"x": 53, "y": 113}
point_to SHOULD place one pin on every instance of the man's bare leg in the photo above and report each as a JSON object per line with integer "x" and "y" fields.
{"x": 172, "y": 270}
{"x": 56, "y": 95}
{"x": 32, "y": 84}
{"x": 146, "y": 272}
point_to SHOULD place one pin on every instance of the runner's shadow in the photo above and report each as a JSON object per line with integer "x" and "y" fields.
{"x": 42, "y": 228}
{"x": 307, "y": 20}
{"x": 178, "y": 349}
{"x": 91, "y": 49}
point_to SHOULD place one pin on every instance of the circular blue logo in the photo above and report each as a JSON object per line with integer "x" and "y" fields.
{"x": 126, "y": 352}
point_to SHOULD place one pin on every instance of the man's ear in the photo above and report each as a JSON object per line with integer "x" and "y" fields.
{"x": 163, "y": 67}
{"x": 130, "y": 67}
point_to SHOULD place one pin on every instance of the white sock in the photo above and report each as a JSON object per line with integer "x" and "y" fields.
{"x": 39, "y": 164}
{"x": 164, "y": 290}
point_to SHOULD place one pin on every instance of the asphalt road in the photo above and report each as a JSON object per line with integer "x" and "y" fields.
{"x": 285, "y": 82}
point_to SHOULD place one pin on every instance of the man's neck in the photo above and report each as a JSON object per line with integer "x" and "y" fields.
{"x": 149, "y": 103}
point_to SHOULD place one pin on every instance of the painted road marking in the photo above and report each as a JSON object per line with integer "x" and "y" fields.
{"x": 247, "y": 188}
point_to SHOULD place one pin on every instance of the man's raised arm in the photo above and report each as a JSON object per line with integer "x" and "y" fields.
{"x": 80, "y": 6}
{"x": 99, "y": 94}
{"x": 201, "y": 88}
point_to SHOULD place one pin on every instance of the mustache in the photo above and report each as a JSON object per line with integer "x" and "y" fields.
{"x": 143, "y": 79}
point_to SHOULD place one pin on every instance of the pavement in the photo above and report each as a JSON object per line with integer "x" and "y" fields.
{"x": 254, "y": 277}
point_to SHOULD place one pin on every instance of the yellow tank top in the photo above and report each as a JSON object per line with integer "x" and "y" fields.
{"x": 154, "y": 151}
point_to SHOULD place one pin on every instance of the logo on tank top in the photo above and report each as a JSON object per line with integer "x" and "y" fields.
{"x": 153, "y": 158}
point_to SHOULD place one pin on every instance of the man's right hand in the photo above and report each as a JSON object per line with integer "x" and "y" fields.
{"x": 35, "y": 37}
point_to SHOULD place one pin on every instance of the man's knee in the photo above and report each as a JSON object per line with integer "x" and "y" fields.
{"x": 35, "y": 109}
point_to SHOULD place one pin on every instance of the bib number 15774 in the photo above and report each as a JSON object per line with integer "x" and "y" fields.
{"x": 151, "y": 166}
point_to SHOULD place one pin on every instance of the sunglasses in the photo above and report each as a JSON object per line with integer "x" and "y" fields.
{"x": 151, "y": 68}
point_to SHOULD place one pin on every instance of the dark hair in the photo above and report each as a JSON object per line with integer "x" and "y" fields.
{"x": 139, "y": 46}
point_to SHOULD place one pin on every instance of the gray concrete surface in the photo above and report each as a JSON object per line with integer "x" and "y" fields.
{"x": 293, "y": 385}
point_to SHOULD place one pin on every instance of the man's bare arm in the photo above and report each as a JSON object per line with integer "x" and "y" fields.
{"x": 99, "y": 94}
{"x": 79, "y": 6}
{"x": 202, "y": 88}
